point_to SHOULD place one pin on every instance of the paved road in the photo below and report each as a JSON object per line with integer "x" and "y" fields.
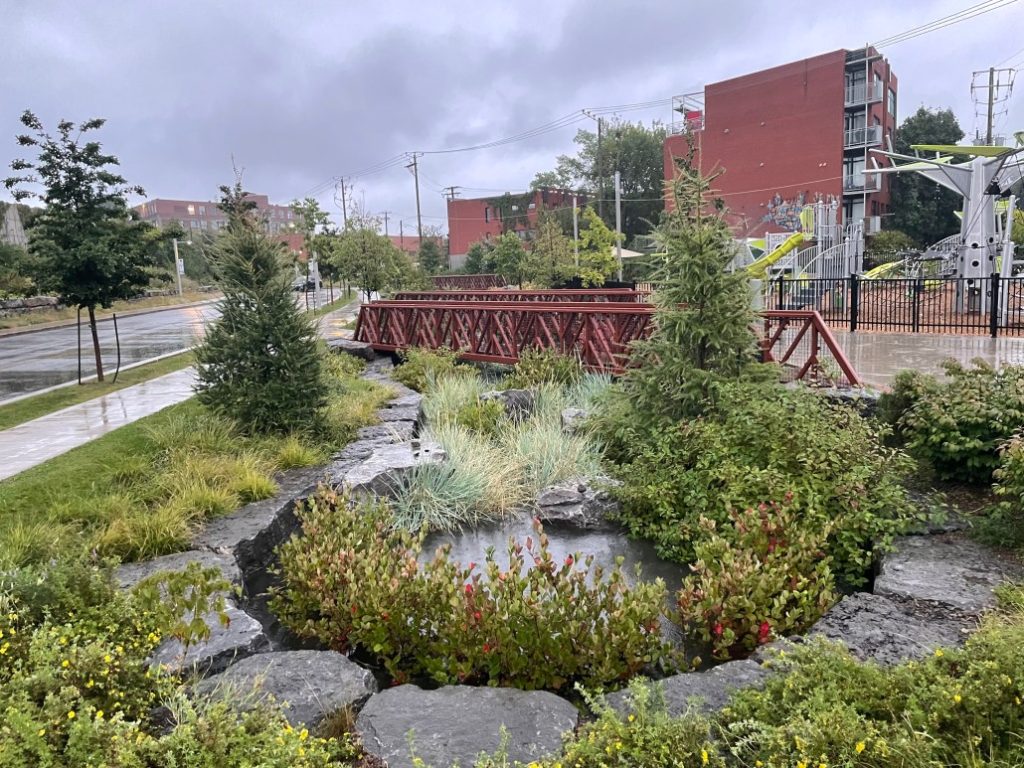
{"x": 34, "y": 361}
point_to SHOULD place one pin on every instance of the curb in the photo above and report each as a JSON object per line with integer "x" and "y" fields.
{"x": 67, "y": 323}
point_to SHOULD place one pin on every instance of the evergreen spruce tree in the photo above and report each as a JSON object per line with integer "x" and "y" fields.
{"x": 259, "y": 364}
{"x": 703, "y": 331}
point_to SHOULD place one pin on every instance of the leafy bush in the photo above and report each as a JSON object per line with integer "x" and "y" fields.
{"x": 958, "y": 424}
{"x": 354, "y": 580}
{"x": 768, "y": 577}
{"x": 421, "y": 367}
{"x": 259, "y": 363}
{"x": 544, "y": 366}
{"x": 1003, "y": 524}
{"x": 484, "y": 417}
{"x": 765, "y": 442}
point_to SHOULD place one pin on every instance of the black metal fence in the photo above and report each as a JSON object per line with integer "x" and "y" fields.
{"x": 994, "y": 306}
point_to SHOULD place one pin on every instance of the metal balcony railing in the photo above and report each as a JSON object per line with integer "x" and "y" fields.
{"x": 861, "y": 182}
{"x": 862, "y": 137}
{"x": 860, "y": 94}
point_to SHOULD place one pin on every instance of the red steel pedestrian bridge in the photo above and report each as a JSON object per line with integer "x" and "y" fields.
{"x": 596, "y": 325}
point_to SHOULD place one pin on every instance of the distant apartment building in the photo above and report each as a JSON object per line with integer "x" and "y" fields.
{"x": 792, "y": 135}
{"x": 484, "y": 219}
{"x": 11, "y": 231}
{"x": 203, "y": 216}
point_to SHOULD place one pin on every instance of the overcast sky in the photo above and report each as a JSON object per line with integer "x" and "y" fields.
{"x": 300, "y": 92}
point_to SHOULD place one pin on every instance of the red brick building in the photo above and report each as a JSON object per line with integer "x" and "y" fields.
{"x": 793, "y": 134}
{"x": 484, "y": 219}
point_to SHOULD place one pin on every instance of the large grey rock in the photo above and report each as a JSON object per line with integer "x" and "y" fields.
{"x": 518, "y": 403}
{"x": 130, "y": 574}
{"x": 380, "y": 472}
{"x": 948, "y": 570}
{"x": 359, "y": 349}
{"x": 399, "y": 413}
{"x": 379, "y": 370}
{"x": 573, "y": 419}
{"x": 575, "y": 502}
{"x": 310, "y": 684}
{"x": 252, "y": 533}
{"x": 708, "y": 691}
{"x": 874, "y": 627}
{"x": 389, "y": 432}
{"x": 405, "y": 397}
{"x": 455, "y": 724}
{"x": 243, "y": 636}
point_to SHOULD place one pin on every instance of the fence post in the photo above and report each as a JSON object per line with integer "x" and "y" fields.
{"x": 854, "y": 301}
{"x": 918, "y": 289}
{"x": 993, "y": 314}
{"x": 778, "y": 293}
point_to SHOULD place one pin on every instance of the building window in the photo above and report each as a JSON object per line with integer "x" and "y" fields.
{"x": 487, "y": 214}
{"x": 191, "y": 210}
{"x": 892, "y": 102}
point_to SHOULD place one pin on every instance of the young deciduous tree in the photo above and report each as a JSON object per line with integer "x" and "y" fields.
{"x": 478, "y": 259}
{"x": 703, "y": 332}
{"x": 509, "y": 258}
{"x": 368, "y": 258}
{"x": 551, "y": 261}
{"x": 259, "y": 363}
{"x": 90, "y": 250}
{"x": 431, "y": 257}
{"x": 597, "y": 241}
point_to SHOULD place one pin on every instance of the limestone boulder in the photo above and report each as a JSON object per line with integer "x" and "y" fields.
{"x": 708, "y": 690}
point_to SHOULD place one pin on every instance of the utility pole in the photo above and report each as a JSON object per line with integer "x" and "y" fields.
{"x": 386, "y": 214}
{"x": 344, "y": 204}
{"x": 401, "y": 235}
{"x": 451, "y": 193}
{"x": 618, "y": 221}
{"x": 576, "y": 233}
{"x": 416, "y": 174}
{"x": 998, "y": 89}
{"x": 600, "y": 163}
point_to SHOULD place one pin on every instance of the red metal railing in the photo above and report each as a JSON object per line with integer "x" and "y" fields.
{"x": 571, "y": 294}
{"x": 468, "y": 282}
{"x": 801, "y": 342}
{"x": 598, "y": 332}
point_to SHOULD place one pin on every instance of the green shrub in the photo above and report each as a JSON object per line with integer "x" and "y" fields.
{"x": 958, "y": 424}
{"x": 908, "y": 387}
{"x": 765, "y": 442}
{"x": 1003, "y": 523}
{"x": 259, "y": 363}
{"x": 354, "y": 581}
{"x": 544, "y": 366}
{"x": 421, "y": 367}
{"x": 767, "y": 578}
{"x": 484, "y": 417}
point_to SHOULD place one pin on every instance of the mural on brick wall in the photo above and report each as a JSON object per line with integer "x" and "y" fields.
{"x": 785, "y": 213}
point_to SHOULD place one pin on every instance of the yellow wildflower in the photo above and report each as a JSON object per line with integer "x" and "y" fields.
{"x": 71, "y": 714}
{"x": 65, "y": 663}
{"x": 41, "y": 732}
{"x": 631, "y": 718}
{"x": 957, "y": 698}
{"x": 108, "y": 658}
{"x": 703, "y": 757}
{"x": 801, "y": 764}
{"x": 938, "y": 653}
{"x": 303, "y": 734}
{"x": 861, "y": 746}
{"x": 99, "y": 714}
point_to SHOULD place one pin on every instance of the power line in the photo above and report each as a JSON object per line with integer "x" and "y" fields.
{"x": 946, "y": 21}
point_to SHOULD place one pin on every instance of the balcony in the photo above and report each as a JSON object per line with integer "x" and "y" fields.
{"x": 859, "y": 183}
{"x": 870, "y": 136}
{"x": 859, "y": 94}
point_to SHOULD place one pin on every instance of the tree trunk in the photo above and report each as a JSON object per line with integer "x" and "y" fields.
{"x": 96, "y": 343}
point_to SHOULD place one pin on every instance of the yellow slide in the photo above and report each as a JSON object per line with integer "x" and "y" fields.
{"x": 759, "y": 268}
{"x": 883, "y": 270}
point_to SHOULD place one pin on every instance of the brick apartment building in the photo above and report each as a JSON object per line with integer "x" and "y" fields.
{"x": 485, "y": 218}
{"x": 793, "y": 134}
{"x": 198, "y": 216}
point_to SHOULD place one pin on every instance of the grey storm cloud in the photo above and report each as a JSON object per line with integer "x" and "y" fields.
{"x": 300, "y": 92}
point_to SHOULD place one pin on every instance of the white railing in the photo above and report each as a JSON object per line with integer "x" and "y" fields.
{"x": 863, "y": 93}
{"x": 862, "y": 137}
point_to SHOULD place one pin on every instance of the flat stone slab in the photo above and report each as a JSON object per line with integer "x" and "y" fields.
{"x": 310, "y": 684}
{"x": 396, "y": 413}
{"x": 876, "y": 628}
{"x": 243, "y": 636}
{"x": 252, "y": 533}
{"x": 949, "y": 570}
{"x": 130, "y": 574}
{"x": 391, "y": 432}
{"x": 386, "y": 465}
{"x": 359, "y": 349}
{"x": 456, "y": 723}
{"x": 405, "y": 398}
{"x": 708, "y": 691}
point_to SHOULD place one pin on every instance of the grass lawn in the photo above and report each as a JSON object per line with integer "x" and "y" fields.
{"x": 141, "y": 490}
{"x": 69, "y": 313}
{"x": 40, "y": 405}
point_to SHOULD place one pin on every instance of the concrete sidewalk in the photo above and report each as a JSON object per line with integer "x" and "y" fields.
{"x": 39, "y": 440}
{"x": 878, "y": 357}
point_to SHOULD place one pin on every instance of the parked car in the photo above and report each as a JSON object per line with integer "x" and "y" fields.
{"x": 304, "y": 284}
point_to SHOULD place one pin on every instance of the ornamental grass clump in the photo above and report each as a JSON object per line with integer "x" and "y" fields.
{"x": 356, "y": 581}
